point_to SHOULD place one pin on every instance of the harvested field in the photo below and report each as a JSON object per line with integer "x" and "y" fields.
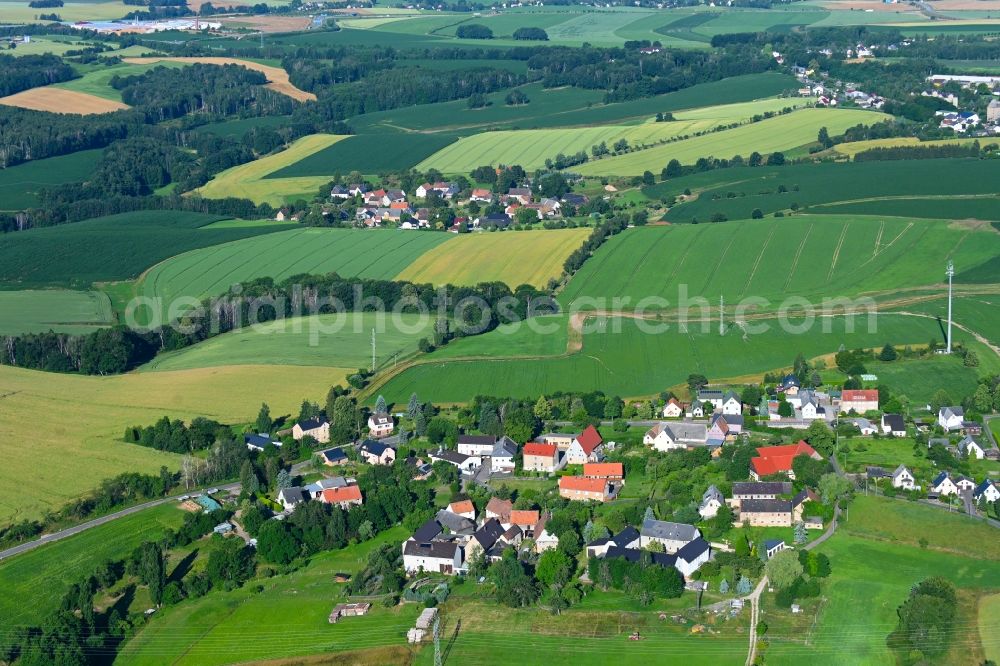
{"x": 277, "y": 77}
{"x": 264, "y": 23}
{"x": 58, "y": 100}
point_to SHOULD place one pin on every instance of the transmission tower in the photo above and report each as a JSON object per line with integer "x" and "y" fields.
{"x": 437, "y": 642}
{"x": 950, "y": 272}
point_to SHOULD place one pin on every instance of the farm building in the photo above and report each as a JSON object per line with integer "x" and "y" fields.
{"x": 348, "y": 610}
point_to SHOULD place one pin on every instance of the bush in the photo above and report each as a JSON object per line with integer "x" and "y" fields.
{"x": 473, "y": 31}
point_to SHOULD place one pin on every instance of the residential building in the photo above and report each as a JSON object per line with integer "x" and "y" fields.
{"x": 315, "y": 490}
{"x": 894, "y": 425}
{"x": 463, "y": 462}
{"x": 462, "y": 506}
{"x": 476, "y": 445}
{"x": 499, "y": 509}
{"x": 610, "y": 471}
{"x": 561, "y": 440}
{"x": 903, "y": 478}
{"x": 864, "y": 426}
{"x": 443, "y": 557}
{"x": 673, "y": 409}
{"x": 731, "y": 404}
{"x": 317, "y": 428}
{"x": 789, "y": 385}
{"x": 259, "y": 441}
{"x": 965, "y": 484}
{"x": 526, "y": 521}
{"x": 291, "y": 497}
{"x": 544, "y": 540}
{"x": 662, "y": 438}
{"x": 627, "y": 538}
{"x": 711, "y": 501}
{"x": 459, "y": 527}
{"x": 774, "y": 546}
{"x": 943, "y": 485}
{"x": 711, "y": 397}
{"x": 987, "y": 491}
{"x": 673, "y": 536}
{"x": 344, "y": 497}
{"x": 993, "y": 111}
{"x": 778, "y": 459}
{"x": 691, "y": 556}
{"x": 333, "y": 457}
{"x": 970, "y": 447}
{"x": 950, "y": 418}
{"x": 538, "y": 457}
{"x": 502, "y": 455}
{"x": 485, "y": 538}
{"x": 380, "y": 425}
{"x": 859, "y": 401}
{"x": 760, "y": 490}
{"x": 766, "y": 513}
{"x": 582, "y": 489}
{"x": 586, "y": 447}
{"x": 376, "y": 453}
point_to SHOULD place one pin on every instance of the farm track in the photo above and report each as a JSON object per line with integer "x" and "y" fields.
{"x": 798, "y": 254}
{"x": 836, "y": 252}
{"x": 756, "y": 263}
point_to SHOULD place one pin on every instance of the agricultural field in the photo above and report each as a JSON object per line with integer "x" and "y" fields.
{"x": 251, "y": 180}
{"x": 366, "y": 153}
{"x": 277, "y": 77}
{"x": 240, "y": 126}
{"x": 812, "y": 256}
{"x": 627, "y": 357}
{"x": 516, "y": 258}
{"x": 85, "y": 416}
{"x": 19, "y": 185}
{"x": 921, "y": 379}
{"x": 17, "y": 11}
{"x": 57, "y": 310}
{"x": 530, "y": 148}
{"x": 97, "y": 82}
{"x": 339, "y": 341}
{"x": 376, "y": 254}
{"x": 59, "y": 100}
{"x": 117, "y": 247}
{"x": 852, "y": 148}
{"x": 989, "y": 611}
{"x": 775, "y": 134}
{"x": 45, "y": 573}
{"x": 898, "y": 188}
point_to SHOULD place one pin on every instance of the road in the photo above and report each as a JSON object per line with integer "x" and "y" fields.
{"x": 82, "y": 527}
{"x": 754, "y": 599}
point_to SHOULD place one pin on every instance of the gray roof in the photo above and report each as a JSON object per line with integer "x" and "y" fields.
{"x": 693, "y": 550}
{"x": 894, "y": 421}
{"x": 373, "y": 447}
{"x": 712, "y": 492}
{"x": 952, "y": 411}
{"x": 709, "y": 394}
{"x": 489, "y": 533}
{"x": 323, "y": 484}
{"x": 762, "y": 488}
{"x": 969, "y": 439}
{"x": 634, "y": 555}
{"x": 875, "y": 472}
{"x": 454, "y": 457}
{"x": 445, "y": 550}
{"x": 477, "y": 439}
{"x": 427, "y": 532}
{"x": 899, "y": 470}
{"x": 454, "y": 522}
{"x": 292, "y": 495}
{"x": 504, "y": 448}
{"x": 312, "y": 424}
{"x": 765, "y": 506}
{"x": 661, "y": 529}
{"x": 731, "y": 394}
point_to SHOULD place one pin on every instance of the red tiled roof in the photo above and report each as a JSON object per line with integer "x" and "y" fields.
{"x": 524, "y": 517}
{"x": 589, "y": 440}
{"x": 499, "y": 506}
{"x": 603, "y": 469}
{"x": 539, "y": 449}
{"x": 774, "y": 459}
{"x": 581, "y": 484}
{"x": 852, "y": 395}
{"x": 344, "y": 494}
{"x": 465, "y": 506}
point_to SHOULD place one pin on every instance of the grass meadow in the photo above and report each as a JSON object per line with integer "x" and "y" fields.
{"x": 60, "y": 310}
{"x": 774, "y": 134}
{"x": 45, "y": 573}
{"x": 84, "y": 418}
{"x": 117, "y": 247}
{"x": 19, "y": 185}
{"x": 516, "y": 258}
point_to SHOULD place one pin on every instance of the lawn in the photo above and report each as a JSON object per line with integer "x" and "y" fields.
{"x": 45, "y": 573}
{"x": 366, "y": 153}
{"x": 19, "y": 185}
{"x": 811, "y": 256}
{"x": 513, "y": 257}
{"x": 920, "y": 379}
{"x": 775, "y": 134}
{"x": 340, "y": 341}
{"x": 376, "y": 254}
{"x": 59, "y": 310}
{"x": 888, "y": 453}
{"x": 118, "y": 247}
{"x": 531, "y": 148}
{"x": 289, "y": 616}
{"x": 250, "y": 180}
{"x": 85, "y": 417}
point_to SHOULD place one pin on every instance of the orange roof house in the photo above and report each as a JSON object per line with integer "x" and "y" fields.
{"x": 524, "y": 518}
{"x": 344, "y": 496}
{"x": 778, "y": 459}
{"x": 582, "y": 488}
{"x": 603, "y": 470}
{"x": 462, "y": 507}
{"x": 539, "y": 449}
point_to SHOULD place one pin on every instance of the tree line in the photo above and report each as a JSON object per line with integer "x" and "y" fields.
{"x": 19, "y": 73}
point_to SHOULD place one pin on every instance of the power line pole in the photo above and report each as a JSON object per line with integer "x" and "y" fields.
{"x": 950, "y": 272}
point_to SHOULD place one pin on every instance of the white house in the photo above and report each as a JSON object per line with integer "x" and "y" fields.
{"x": 380, "y": 425}
{"x": 692, "y": 556}
{"x": 893, "y": 424}
{"x": 475, "y": 445}
{"x": 673, "y": 536}
{"x": 317, "y": 428}
{"x": 731, "y": 404}
{"x": 965, "y": 484}
{"x": 673, "y": 409}
{"x": 970, "y": 448}
{"x": 864, "y": 426}
{"x": 711, "y": 501}
{"x": 258, "y": 442}
{"x": 463, "y": 462}
{"x": 903, "y": 478}
{"x": 987, "y": 491}
{"x": 377, "y": 453}
{"x": 291, "y": 497}
{"x": 661, "y": 438}
{"x": 585, "y": 448}
{"x": 443, "y": 557}
{"x": 943, "y": 485}
{"x": 950, "y": 418}
{"x": 711, "y": 397}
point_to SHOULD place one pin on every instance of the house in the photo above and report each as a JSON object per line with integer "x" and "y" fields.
{"x": 344, "y": 497}
{"x": 809, "y": 404}
{"x": 774, "y": 546}
{"x": 586, "y": 447}
{"x": 333, "y": 457}
{"x": 481, "y": 195}
{"x": 377, "y": 453}
{"x": 662, "y": 438}
{"x": 790, "y": 385}
{"x": 711, "y": 501}
{"x": 463, "y": 462}
{"x": 778, "y": 459}
{"x": 494, "y": 220}
{"x": 731, "y": 404}
{"x": 575, "y": 199}
{"x": 462, "y": 506}
{"x": 876, "y": 473}
{"x": 339, "y": 192}
{"x": 864, "y": 426}
{"x": 987, "y": 491}
{"x": 582, "y": 489}
{"x": 965, "y": 484}
{"x": 894, "y": 425}
{"x": 691, "y": 556}
{"x": 259, "y": 441}
{"x": 380, "y": 425}
{"x": 724, "y": 428}
{"x": 673, "y": 409}
{"x": 903, "y": 478}
{"x": 627, "y": 538}
{"x": 859, "y": 401}
{"x": 950, "y": 418}
{"x": 610, "y": 471}
{"x": 538, "y": 457}
{"x": 456, "y": 525}
{"x": 424, "y": 190}
{"x": 485, "y": 538}
{"x": 971, "y": 448}
{"x": 972, "y": 428}
{"x": 760, "y": 490}
{"x": 520, "y": 194}
{"x": 993, "y": 111}
{"x": 499, "y": 509}
{"x": 525, "y": 521}
{"x": 943, "y": 485}
{"x": 562, "y": 440}
{"x": 476, "y": 445}
{"x": 421, "y": 469}
{"x": 512, "y": 537}
{"x": 315, "y": 490}
{"x": 711, "y": 397}
{"x": 766, "y": 512}
{"x": 291, "y": 497}
{"x": 544, "y": 540}
{"x": 696, "y": 410}
{"x": 502, "y": 455}
{"x": 672, "y": 536}
{"x": 443, "y": 557}
{"x": 317, "y": 428}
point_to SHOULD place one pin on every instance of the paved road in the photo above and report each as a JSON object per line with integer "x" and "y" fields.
{"x": 82, "y": 527}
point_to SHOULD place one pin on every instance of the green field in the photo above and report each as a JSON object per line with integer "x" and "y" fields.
{"x": 63, "y": 311}
{"x": 85, "y": 417}
{"x": 921, "y": 379}
{"x": 118, "y": 247}
{"x": 804, "y": 255}
{"x": 19, "y": 185}
{"x": 989, "y": 612}
{"x": 240, "y": 126}
{"x": 44, "y": 574}
{"x": 899, "y": 188}
{"x": 340, "y": 341}
{"x": 530, "y": 148}
{"x": 628, "y": 358}
{"x": 98, "y": 81}
{"x": 516, "y": 258}
{"x": 367, "y": 153}
{"x": 775, "y": 134}
{"x": 20, "y": 12}
{"x": 376, "y": 254}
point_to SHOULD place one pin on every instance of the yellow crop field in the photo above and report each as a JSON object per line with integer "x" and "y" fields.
{"x": 854, "y": 147}
{"x": 59, "y": 100}
{"x": 71, "y": 426}
{"x": 513, "y": 257}
{"x": 276, "y": 76}
{"x": 775, "y": 134}
{"x": 248, "y": 180}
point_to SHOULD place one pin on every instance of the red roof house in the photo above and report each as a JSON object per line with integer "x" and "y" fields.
{"x": 604, "y": 471}
{"x": 775, "y": 459}
{"x": 344, "y": 496}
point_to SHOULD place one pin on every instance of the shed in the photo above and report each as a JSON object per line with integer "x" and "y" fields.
{"x": 348, "y": 610}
